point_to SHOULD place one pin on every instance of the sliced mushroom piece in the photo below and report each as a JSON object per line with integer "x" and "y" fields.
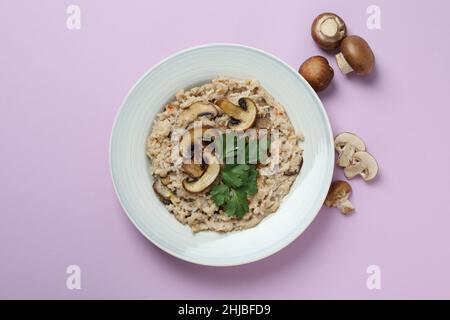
{"x": 164, "y": 193}
{"x": 195, "y": 110}
{"x": 338, "y": 197}
{"x": 165, "y": 180}
{"x": 192, "y": 136}
{"x": 195, "y": 136}
{"x": 363, "y": 164}
{"x": 356, "y": 55}
{"x": 346, "y": 145}
{"x": 193, "y": 169}
{"x": 206, "y": 179}
{"x": 243, "y": 116}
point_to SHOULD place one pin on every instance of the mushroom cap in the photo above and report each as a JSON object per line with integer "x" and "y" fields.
{"x": 318, "y": 72}
{"x": 243, "y": 115}
{"x": 207, "y": 178}
{"x": 339, "y": 190}
{"x": 358, "y": 54}
{"x": 364, "y": 164}
{"x": 328, "y": 30}
{"x": 345, "y": 138}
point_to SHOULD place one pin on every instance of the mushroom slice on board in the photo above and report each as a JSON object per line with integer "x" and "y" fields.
{"x": 207, "y": 178}
{"x": 195, "y": 110}
{"x": 338, "y": 196}
{"x": 164, "y": 193}
{"x": 243, "y": 116}
{"x": 363, "y": 164}
{"x": 346, "y": 145}
{"x": 328, "y": 30}
{"x": 318, "y": 72}
{"x": 356, "y": 55}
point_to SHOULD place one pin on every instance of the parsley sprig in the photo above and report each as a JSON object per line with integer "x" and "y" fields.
{"x": 238, "y": 180}
{"x": 238, "y": 183}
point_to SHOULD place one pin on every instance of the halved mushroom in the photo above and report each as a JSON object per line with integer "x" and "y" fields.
{"x": 195, "y": 110}
{"x": 193, "y": 169}
{"x": 207, "y": 178}
{"x": 164, "y": 193}
{"x": 338, "y": 197}
{"x": 346, "y": 145}
{"x": 242, "y": 116}
{"x": 364, "y": 164}
{"x": 356, "y": 55}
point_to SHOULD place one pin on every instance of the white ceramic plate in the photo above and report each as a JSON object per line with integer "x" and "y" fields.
{"x": 129, "y": 164}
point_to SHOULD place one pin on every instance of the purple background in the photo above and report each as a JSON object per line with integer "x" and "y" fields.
{"x": 60, "y": 91}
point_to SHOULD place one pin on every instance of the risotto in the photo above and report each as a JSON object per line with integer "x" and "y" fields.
{"x": 216, "y": 105}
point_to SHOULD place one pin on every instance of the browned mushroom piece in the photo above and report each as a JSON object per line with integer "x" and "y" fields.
{"x": 318, "y": 72}
{"x": 243, "y": 116}
{"x": 197, "y": 135}
{"x": 356, "y": 55}
{"x": 328, "y": 30}
{"x": 209, "y": 175}
{"x": 164, "y": 193}
{"x": 338, "y": 196}
{"x": 195, "y": 110}
{"x": 193, "y": 169}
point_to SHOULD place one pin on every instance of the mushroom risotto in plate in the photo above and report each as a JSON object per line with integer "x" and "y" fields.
{"x": 208, "y": 159}
{"x": 210, "y": 195}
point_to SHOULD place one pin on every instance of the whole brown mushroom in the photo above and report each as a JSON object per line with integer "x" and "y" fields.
{"x": 356, "y": 55}
{"x": 318, "y": 72}
{"x": 328, "y": 30}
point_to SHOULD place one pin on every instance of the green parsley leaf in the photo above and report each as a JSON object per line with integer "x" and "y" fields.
{"x": 220, "y": 194}
{"x": 235, "y": 175}
{"x": 238, "y": 180}
{"x": 250, "y": 187}
{"x": 237, "y": 204}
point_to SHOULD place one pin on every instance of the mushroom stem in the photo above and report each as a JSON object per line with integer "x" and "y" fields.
{"x": 354, "y": 169}
{"x": 346, "y": 155}
{"x": 343, "y": 64}
{"x": 345, "y": 206}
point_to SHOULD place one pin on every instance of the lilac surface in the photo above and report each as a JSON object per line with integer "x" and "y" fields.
{"x": 60, "y": 91}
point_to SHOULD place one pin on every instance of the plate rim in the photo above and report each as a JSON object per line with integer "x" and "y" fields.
{"x": 275, "y": 249}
